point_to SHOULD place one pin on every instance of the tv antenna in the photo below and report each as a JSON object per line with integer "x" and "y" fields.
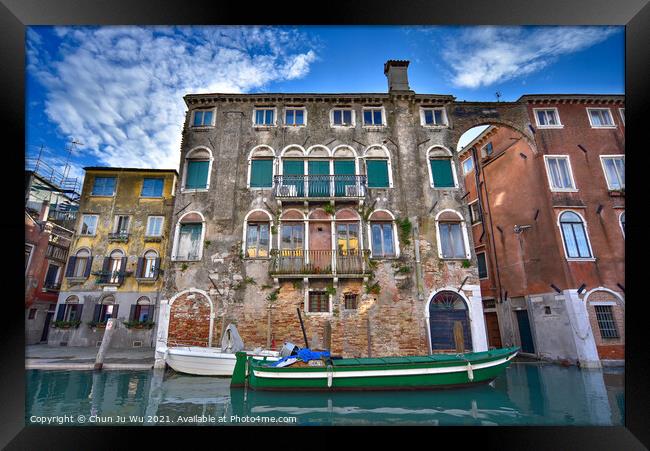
{"x": 498, "y": 94}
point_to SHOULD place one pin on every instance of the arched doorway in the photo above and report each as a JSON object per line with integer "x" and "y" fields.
{"x": 190, "y": 319}
{"x": 449, "y": 325}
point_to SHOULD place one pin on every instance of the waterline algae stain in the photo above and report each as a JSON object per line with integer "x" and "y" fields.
{"x": 525, "y": 394}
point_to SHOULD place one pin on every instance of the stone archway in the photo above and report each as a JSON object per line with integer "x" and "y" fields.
{"x": 446, "y": 311}
{"x": 190, "y": 320}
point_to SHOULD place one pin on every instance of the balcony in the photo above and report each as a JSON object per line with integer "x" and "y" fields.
{"x": 319, "y": 187}
{"x": 109, "y": 277}
{"x": 121, "y": 237}
{"x": 304, "y": 263}
{"x": 51, "y": 286}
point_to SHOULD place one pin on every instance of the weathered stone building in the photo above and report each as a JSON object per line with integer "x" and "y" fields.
{"x": 548, "y": 221}
{"x": 118, "y": 250}
{"x": 349, "y": 207}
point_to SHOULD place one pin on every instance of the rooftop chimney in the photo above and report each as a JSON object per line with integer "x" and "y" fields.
{"x": 396, "y": 72}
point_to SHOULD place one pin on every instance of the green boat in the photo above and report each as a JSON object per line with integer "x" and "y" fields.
{"x": 386, "y": 373}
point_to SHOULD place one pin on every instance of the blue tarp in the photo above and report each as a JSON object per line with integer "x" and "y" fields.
{"x": 304, "y": 355}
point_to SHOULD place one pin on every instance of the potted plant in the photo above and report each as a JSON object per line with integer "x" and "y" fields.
{"x": 97, "y": 324}
{"x": 138, "y": 324}
{"x": 66, "y": 324}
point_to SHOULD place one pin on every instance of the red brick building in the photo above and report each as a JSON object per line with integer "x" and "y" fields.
{"x": 548, "y": 222}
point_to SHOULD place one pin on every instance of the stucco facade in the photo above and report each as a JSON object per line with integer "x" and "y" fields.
{"x": 117, "y": 256}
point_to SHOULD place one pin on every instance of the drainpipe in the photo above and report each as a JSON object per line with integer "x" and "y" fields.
{"x": 418, "y": 264}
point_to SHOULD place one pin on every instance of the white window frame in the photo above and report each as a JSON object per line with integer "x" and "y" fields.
{"x": 59, "y": 269}
{"x": 275, "y": 116}
{"x": 574, "y": 188}
{"x": 162, "y": 224}
{"x": 177, "y": 233}
{"x": 451, "y": 162}
{"x": 621, "y": 112}
{"x": 387, "y": 157}
{"x": 309, "y": 312}
{"x": 373, "y": 108}
{"x": 487, "y": 271}
{"x": 284, "y": 116}
{"x": 353, "y": 117}
{"x": 31, "y": 253}
{"x": 76, "y": 263}
{"x": 395, "y": 237}
{"x": 557, "y": 117}
{"x": 212, "y": 122}
{"x": 463, "y": 228}
{"x": 188, "y": 158}
{"x": 145, "y": 266}
{"x": 462, "y": 163}
{"x": 471, "y": 215}
{"x": 611, "y": 116}
{"x": 81, "y": 224}
{"x": 602, "y": 163}
{"x": 245, "y": 235}
{"x": 584, "y": 225}
{"x": 252, "y": 156}
{"x": 620, "y": 223}
{"x": 116, "y": 221}
{"x": 444, "y": 117}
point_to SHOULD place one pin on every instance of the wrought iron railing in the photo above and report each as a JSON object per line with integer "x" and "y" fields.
{"x": 110, "y": 277}
{"x": 315, "y": 186}
{"x": 326, "y": 262}
{"x": 118, "y": 236}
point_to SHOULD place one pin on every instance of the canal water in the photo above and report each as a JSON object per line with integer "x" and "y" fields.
{"x": 525, "y": 394}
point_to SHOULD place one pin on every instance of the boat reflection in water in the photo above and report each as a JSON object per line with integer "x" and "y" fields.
{"x": 525, "y": 394}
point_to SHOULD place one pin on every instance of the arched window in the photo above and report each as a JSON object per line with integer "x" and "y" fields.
{"x": 261, "y": 167}
{"x": 148, "y": 265}
{"x": 188, "y": 242}
{"x": 79, "y": 265}
{"x": 622, "y": 221}
{"x": 452, "y": 235}
{"x": 113, "y": 269}
{"x": 70, "y": 310}
{"x": 383, "y": 236}
{"x": 105, "y": 310}
{"x": 378, "y": 167}
{"x": 142, "y": 310}
{"x": 574, "y": 235}
{"x": 198, "y": 165}
{"x": 442, "y": 171}
{"x": 449, "y": 325}
{"x": 257, "y": 234}
{"x": 346, "y": 182}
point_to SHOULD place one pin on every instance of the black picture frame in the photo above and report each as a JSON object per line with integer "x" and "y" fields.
{"x": 15, "y": 15}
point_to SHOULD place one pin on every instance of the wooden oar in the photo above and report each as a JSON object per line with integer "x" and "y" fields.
{"x": 302, "y": 326}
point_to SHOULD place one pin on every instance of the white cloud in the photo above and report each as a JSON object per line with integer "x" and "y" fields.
{"x": 482, "y": 56}
{"x": 119, "y": 90}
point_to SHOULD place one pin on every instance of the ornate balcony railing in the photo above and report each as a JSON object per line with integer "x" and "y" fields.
{"x": 320, "y": 186}
{"x": 118, "y": 236}
{"x": 110, "y": 277}
{"x": 293, "y": 262}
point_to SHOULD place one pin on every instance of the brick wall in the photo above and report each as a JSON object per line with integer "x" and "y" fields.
{"x": 189, "y": 321}
{"x": 608, "y": 348}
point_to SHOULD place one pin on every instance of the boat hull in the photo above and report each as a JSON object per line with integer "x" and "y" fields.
{"x": 200, "y": 361}
{"x": 414, "y": 373}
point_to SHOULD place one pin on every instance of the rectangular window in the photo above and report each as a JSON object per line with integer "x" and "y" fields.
{"x": 382, "y": 239}
{"x": 152, "y": 187}
{"x": 559, "y": 173}
{"x": 189, "y": 242}
{"x": 468, "y": 165}
{"x": 261, "y": 173}
{"x": 487, "y": 149}
{"x": 106, "y": 313}
{"x": 88, "y": 225}
{"x": 347, "y": 239}
{"x": 547, "y": 117}
{"x": 451, "y": 240}
{"x": 154, "y": 225}
{"x": 482, "y": 265}
{"x": 600, "y": 117}
{"x": 197, "y": 174}
{"x": 575, "y": 240}
{"x": 142, "y": 313}
{"x": 442, "y": 173}
{"x": 28, "y": 254}
{"x": 350, "y": 301}
{"x": 622, "y": 112}
{"x": 377, "y": 171}
{"x": 52, "y": 277}
{"x": 342, "y": 117}
{"x": 203, "y": 118}
{"x": 614, "y": 167}
{"x": 257, "y": 240}
{"x": 71, "y": 312}
{"x": 104, "y": 186}
{"x": 475, "y": 213}
{"x": 606, "y": 323}
{"x": 319, "y": 301}
{"x": 264, "y": 116}
{"x": 32, "y": 313}
{"x": 433, "y": 117}
{"x": 294, "y": 116}
{"x": 373, "y": 116}
{"x": 122, "y": 223}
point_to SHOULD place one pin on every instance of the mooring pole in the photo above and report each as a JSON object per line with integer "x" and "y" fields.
{"x": 302, "y": 326}
{"x": 111, "y": 324}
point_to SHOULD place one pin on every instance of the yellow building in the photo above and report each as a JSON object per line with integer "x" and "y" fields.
{"x": 118, "y": 250}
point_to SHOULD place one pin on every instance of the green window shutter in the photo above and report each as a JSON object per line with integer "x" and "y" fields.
{"x": 344, "y": 167}
{"x": 442, "y": 173}
{"x": 261, "y": 173}
{"x": 293, "y": 167}
{"x": 197, "y": 174}
{"x": 377, "y": 173}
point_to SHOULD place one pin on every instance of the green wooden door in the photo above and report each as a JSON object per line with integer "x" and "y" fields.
{"x": 319, "y": 185}
{"x": 344, "y": 175}
{"x": 293, "y": 174}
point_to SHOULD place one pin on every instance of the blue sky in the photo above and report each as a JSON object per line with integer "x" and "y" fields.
{"x": 118, "y": 90}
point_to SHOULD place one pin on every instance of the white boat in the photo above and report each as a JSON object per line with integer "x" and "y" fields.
{"x": 203, "y": 361}
{"x": 212, "y": 361}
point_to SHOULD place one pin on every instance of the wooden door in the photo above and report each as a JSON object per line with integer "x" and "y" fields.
{"x": 492, "y": 327}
